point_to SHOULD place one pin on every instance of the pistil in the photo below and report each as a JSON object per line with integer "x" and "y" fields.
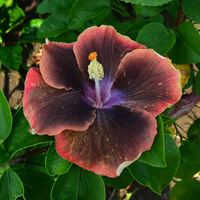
{"x": 95, "y": 70}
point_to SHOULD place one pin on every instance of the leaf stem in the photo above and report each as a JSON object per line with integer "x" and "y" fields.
{"x": 20, "y": 159}
{"x": 179, "y": 18}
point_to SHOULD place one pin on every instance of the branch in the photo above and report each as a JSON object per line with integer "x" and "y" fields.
{"x": 20, "y": 159}
{"x": 179, "y": 18}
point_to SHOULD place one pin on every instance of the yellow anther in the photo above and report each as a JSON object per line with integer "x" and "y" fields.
{"x": 95, "y": 69}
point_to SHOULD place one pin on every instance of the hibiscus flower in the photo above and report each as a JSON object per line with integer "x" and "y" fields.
{"x": 99, "y": 96}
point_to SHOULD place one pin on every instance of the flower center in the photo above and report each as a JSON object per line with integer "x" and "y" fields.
{"x": 95, "y": 70}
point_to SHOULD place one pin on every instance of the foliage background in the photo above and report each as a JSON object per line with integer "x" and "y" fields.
{"x": 30, "y": 168}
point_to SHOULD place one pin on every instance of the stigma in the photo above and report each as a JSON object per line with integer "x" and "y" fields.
{"x": 95, "y": 71}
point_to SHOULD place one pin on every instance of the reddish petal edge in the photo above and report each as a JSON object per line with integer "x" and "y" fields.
{"x": 110, "y": 46}
{"x": 148, "y": 80}
{"x": 106, "y": 151}
{"x": 41, "y": 100}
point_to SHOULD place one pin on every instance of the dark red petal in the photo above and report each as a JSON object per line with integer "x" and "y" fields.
{"x": 59, "y": 68}
{"x": 50, "y": 111}
{"x": 110, "y": 46}
{"x": 115, "y": 139}
{"x": 149, "y": 81}
{"x": 185, "y": 105}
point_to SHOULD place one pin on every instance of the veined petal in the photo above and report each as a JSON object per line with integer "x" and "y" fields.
{"x": 115, "y": 139}
{"x": 50, "y": 111}
{"x": 59, "y": 68}
{"x": 110, "y": 46}
{"x": 148, "y": 80}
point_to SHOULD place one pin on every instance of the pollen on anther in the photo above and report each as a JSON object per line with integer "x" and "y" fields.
{"x": 92, "y": 56}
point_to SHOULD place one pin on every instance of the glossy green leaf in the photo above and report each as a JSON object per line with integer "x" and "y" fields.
{"x": 197, "y": 83}
{"x": 11, "y": 186}
{"x": 53, "y": 25}
{"x": 149, "y": 10}
{"x": 187, "y": 46}
{"x": 37, "y": 185}
{"x": 189, "y": 153}
{"x": 5, "y": 118}
{"x": 134, "y": 29}
{"x": 11, "y": 56}
{"x": 54, "y": 163}
{"x": 191, "y": 9}
{"x": 120, "y": 182}
{"x": 148, "y": 2}
{"x": 81, "y": 11}
{"x": 51, "y": 6}
{"x": 77, "y": 184}
{"x": 156, "y": 155}
{"x": 186, "y": 170}
{"x": 157, "y": 37}
{"x": 157, "y": 18}
{"x": 20, "y": 137}
{"x": 29, "y": 32}
{"x": 194, "y": 130}
{"x": 185, "y": 190}
{"x": 158, "y": 178}
{"x": 4, "y": 156}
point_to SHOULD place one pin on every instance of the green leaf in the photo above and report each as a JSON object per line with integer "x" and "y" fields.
{"x": 157, "y": 18}
{"x": 37, "y": 185}
{"x": 186, "y": 170}
{"x": 168, "y": 121}
{"x": 67, "y": 37}
{"x": 187, "y": 46}
{"x": 54, "y": 163}
{"x": 29, "y": 32}
{"x": 197, "y": 83}
{"x": 20, "y": 137}
{"x": 11, "y": 16}
{"x": 78, "y": 183}
{"x": 158, "y": 178}
{"x": 37, "y": 162}
{"x": 156, "y": 36}
{"x": 53, "y": 25}
{"x": 191, "y": 9}
{"x": 11, "y": 186}
{"x": 197, "y": 144}
{"x": 120, "y": 182}
{"x": 189, "y": 153}
{"x": 185, "y": 190}
{"x": 156, "y": 155}
{"x": 23, "y": 69}
{"x": 173, "y": 8}
{"x": 1, "y": 3}
{"x": 194, "y": 130}
{"x": 134, "y": 29}
{"x": 11, "y": 56}
{"x": 81, "y": 11}
{"x": 5, "y": 118}
{"x": 149, "y": 10}
{"x": 148, "y": 2}
{"x": 51, "y": 6}
{"x": 4, "y": 156}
